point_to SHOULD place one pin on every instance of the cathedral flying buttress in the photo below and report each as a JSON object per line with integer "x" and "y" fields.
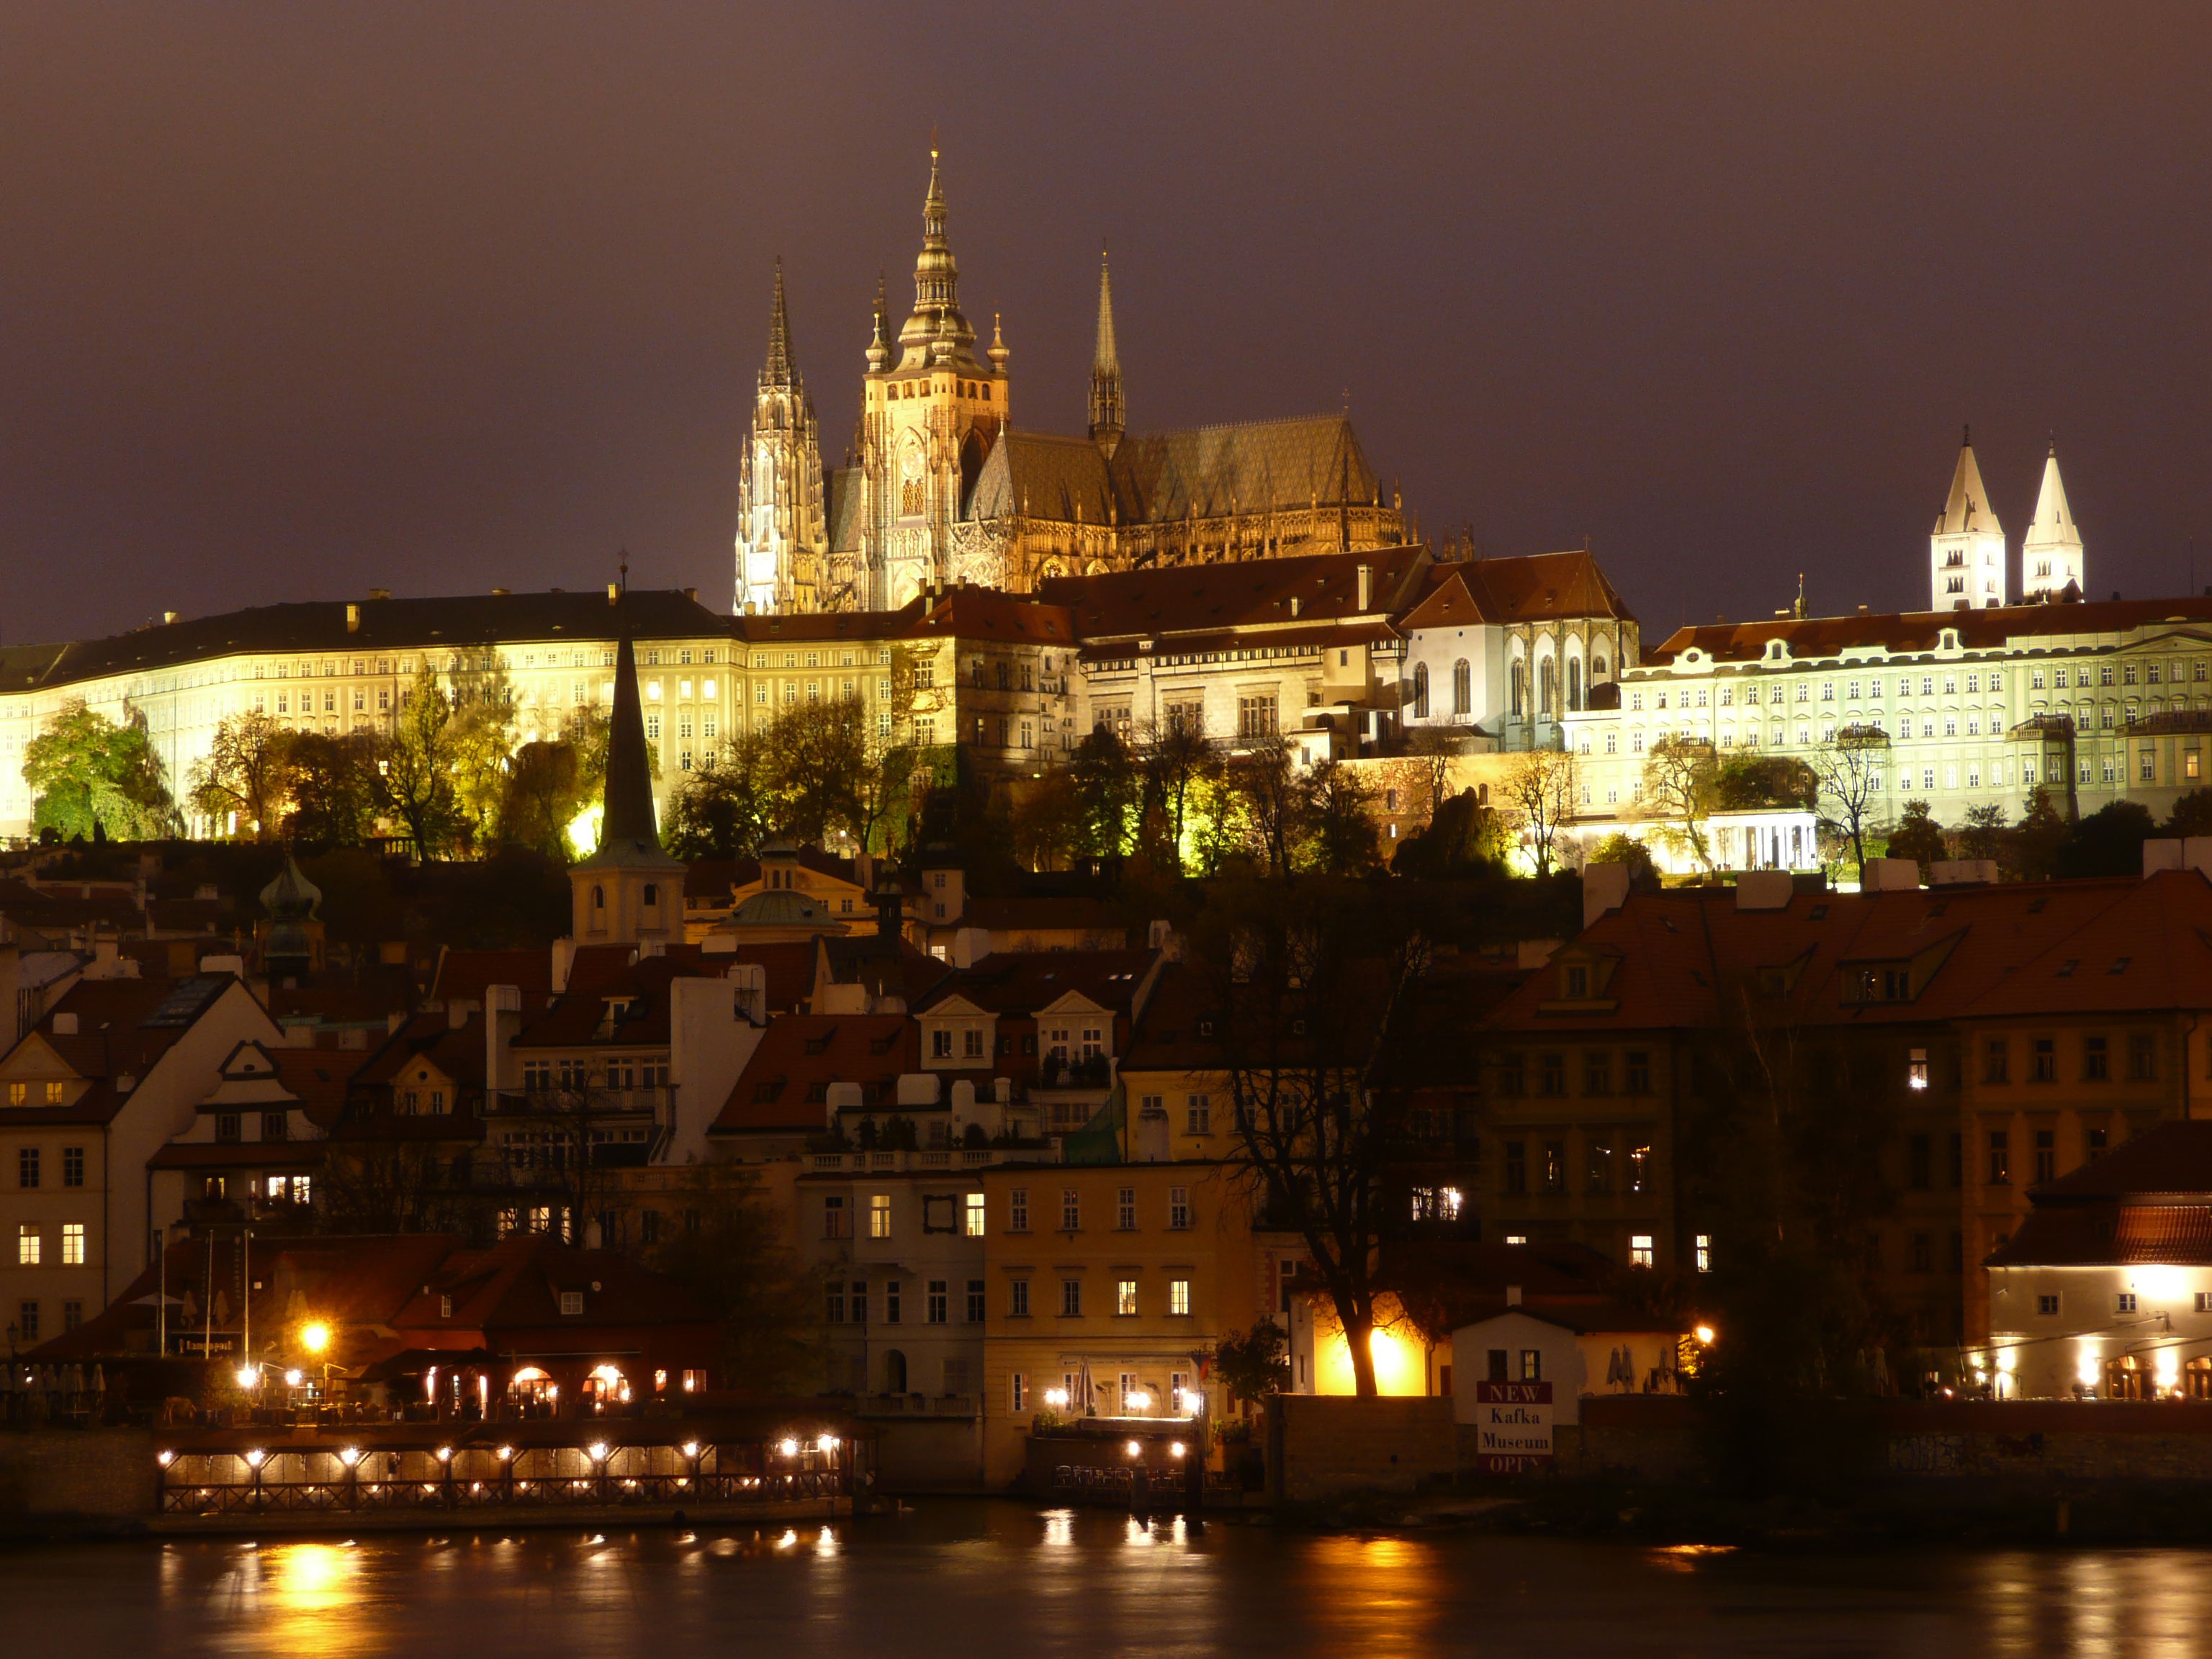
{"x": 940, "y": 487}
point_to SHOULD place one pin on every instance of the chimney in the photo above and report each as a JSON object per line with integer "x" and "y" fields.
{"x": 1366, "y": 585}
{"x": 169, "y": 616}
{"x": 353, "y": 619}
{"x": 614, "y": 592}
{"x": 1513, "y": 1295}
{"x": 692, "y": 594}
{"x": 1294, "y": 604}
{"x": 379, "y": 593}
{"x": 499, "y": 593}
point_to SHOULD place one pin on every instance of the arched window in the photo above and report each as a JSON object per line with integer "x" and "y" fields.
{"x": 652, "y": 892}
{"x": 1574, "y": 683}
{"x": 1547, "y": 686}
{"x": 1463, "y": 687}
{"x": 599, "y": 898}
{"x": 1420, "y": 690}
{"x": 1597, "y": 668}
{"x": 1520, "y": 688}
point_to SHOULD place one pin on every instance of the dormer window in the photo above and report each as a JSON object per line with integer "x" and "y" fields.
{"x": 1576, "y": 984}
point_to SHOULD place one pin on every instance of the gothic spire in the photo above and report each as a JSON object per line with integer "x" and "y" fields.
{"x": 1106, "y": 415}
{"x": 779, "y": 375}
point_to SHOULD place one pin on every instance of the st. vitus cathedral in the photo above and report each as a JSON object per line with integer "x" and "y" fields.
{"x": 943, "y": 487}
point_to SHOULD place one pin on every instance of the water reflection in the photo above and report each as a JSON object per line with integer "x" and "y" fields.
{"x": 956, "y": 1578}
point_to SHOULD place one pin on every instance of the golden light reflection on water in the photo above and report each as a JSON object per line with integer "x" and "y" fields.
{"x": 2097, "y": 1604}
{"x": 307, "y": 1593}
{"x": 1371, "y": 1597}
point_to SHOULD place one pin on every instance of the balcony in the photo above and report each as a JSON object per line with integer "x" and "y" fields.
{"x": 656, "y": 1102}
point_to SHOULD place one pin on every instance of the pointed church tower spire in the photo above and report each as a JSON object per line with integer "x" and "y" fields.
{"x": 2050, "y": 558}
{"x": 1106, "y": 415}
{"x": 628, "y": 890}
{"x": 778, "y": 374}
{"x": 1966, "y": 550}
{"x": 783, "y": 521}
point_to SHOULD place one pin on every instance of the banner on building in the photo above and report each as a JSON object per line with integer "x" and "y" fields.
{"x": 1513, "y": 1423}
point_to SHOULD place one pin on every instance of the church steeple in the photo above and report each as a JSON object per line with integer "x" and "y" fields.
{"x": 1966, "y": 550}
{"x": 2051, "y": 556}
{"x": 777, "y": 374}
{"x": 628, "y": 890}
{"x": 880, "y": 344}
{"x": 1106, "y": 413}
{"x": 628, "y": 825}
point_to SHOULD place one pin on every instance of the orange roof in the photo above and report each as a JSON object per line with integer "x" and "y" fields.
{"x": 784, "y": 1085}
{"x": 1973, "y": 952}
{"x": 1534, "y": 588}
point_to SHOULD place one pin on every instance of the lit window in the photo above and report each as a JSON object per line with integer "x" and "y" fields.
{"x": 1125, "y": 1297}
{"x": 1703, "y": 1251}
{"x": 72, "y": 1243}
{"x": 1179, "y": 1297}
{"x": 1640, "y": 1252}
{"x": 971, "y": 1215}
{"x": 27, "y": 1244}
{"x": 572, "y": 1304}
{"x": 879, "y": 1215}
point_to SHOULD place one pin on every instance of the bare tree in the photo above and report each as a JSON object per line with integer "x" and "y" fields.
{"x": 1538, "y": 793}
{"x": 1850, "y": 767}
{"x": 1679, "y": 779}
{"x": 1316, "y": 986}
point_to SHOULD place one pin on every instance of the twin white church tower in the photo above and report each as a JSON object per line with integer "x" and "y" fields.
{"x": 1967, "y": 553}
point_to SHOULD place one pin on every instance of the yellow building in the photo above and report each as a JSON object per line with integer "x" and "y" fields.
{"x": 1104, "y": 1286}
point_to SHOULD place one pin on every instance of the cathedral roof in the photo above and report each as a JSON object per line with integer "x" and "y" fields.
{"x": 1207, "y": 471}
{"x": 843, "y": 487}
{"x": 1967, "y": 506}
{"x": 1251, "y": 466}
{"x": 1043, "y": 476}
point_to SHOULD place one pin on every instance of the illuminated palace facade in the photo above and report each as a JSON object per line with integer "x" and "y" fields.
{"x": 1973, "y": 702}
{"x": 941, "y": 487}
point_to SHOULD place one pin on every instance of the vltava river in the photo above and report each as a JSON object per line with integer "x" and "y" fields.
{"x": 982, "y": 1580}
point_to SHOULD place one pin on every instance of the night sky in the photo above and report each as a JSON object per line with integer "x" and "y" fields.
{"x": 297, "y": 299}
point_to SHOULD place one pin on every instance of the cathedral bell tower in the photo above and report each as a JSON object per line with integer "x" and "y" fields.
{"x": 782, "y": 529}
{"x": 930, "y": 410}
{"x": 1966, "y": 552}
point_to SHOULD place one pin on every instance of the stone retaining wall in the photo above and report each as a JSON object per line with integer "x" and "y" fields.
{"x": 82, "y": 1474}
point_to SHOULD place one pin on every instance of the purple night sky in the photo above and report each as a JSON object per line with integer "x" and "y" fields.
{"x": 298, "y": 298}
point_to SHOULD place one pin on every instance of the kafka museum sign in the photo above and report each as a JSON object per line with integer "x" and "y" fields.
{"x": 1513, "y": 1422}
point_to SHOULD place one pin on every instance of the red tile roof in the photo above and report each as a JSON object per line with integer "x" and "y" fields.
{"x": 1921, "y": 630}
{"x": 784, "y": 1085}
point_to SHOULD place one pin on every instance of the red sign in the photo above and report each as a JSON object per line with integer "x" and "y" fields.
{"x": 1513, "y": 1427}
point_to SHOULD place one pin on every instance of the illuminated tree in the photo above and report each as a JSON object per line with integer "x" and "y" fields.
{"x": 1848, "y": 769}
{"x": 1538, "y": 796}
{"x": 89, "y": 776}
{"x": 1679, "y": 788}
{"x": 244, "y": 772}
